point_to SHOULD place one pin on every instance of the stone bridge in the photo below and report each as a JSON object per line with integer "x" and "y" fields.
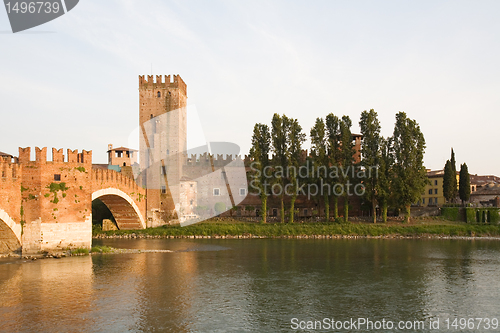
{"x": 47, "y": 205}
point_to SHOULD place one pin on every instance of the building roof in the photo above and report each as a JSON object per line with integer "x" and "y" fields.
{"x": 483, "y": 180}
{"x": 5, "y": 154}
{"x": 488, "y": 189}
{"x": 100, "y": 166}
{"x": 122, "y": 149}
{"x": 435, "y": 173}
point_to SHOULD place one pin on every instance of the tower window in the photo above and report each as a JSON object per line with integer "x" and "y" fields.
{"x": 57, "y": 177}
{"x": 163, "y": 189}
{"x": 159, "y": 94}
{"x": 216, "y": 192}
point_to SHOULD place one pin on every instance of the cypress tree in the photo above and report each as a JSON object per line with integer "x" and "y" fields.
{"x": 464, "y": 183}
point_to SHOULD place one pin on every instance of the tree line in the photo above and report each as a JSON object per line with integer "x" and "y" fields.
{"x": 398, "y": 182}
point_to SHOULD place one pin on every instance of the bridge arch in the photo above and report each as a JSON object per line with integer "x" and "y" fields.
{"x": 126, "y": 213}
{"x": 10, "y": 234}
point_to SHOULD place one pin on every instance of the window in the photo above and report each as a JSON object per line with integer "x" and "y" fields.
{"x": 243, "y": 191}
{"x": 118, "y": 154}
{"x": 435, "y": 182}
{"x": 435, "y": 191}
{"x": 159, "y": 94}
{"x": 163, "y": 189}
{"x": 57, "y": 178}
{"x": 305, "y": 211}
{"x": 191, "y": 202}
{"x": 216, "y": 192}
{"x": 3, "y": 173}
{"x": 430, "y": 191}
{"x": 423, "y": 201}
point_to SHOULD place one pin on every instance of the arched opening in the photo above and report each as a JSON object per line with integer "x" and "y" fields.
{"x": 101, "y": 213}
{"x": 9, "y": 241}
{"x": 118, "y": 207}
{"x": 158, "y": 94}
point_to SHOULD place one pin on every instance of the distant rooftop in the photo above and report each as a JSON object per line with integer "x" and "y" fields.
{"x": 122, "y": 149}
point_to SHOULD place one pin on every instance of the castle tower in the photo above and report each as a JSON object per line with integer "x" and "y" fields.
{"x": 163, "y": 142}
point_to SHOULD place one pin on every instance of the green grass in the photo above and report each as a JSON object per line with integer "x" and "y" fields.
{"x": 100, "y": 249}
{"x": 80, "y": 251}
{"x": 279, "y": 230}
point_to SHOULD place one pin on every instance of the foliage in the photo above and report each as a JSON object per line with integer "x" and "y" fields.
{"x": 448, "y": 181}
{"x": 261, "y": 141}
{"x": 332, "y": 123}
{"x": 451, "y": 213}
{"x": 385, "y": 176}
{"x": 295, "y": 139}
{"x": 409, "y": 172}
{"x": 220, "y": 207}
{"x": 320, "y": 159}
{"x": 340, "y": 229}
{"x": 101, "y": 249}
{"x": 370, "y": 152}
{"x": 279, "y": 143}
{"x": 464, "y": 183}
{"x": 80, "y": 250}
{"x": 346, "y": 159}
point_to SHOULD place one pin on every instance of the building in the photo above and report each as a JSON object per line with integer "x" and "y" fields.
{"x": 433, "y": 194}
{"x": 162, "y": 143}
{"x": 121, "y": 156}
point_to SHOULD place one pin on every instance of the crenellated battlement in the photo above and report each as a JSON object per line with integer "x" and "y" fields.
{"x": 162, "y": 81}
{"x": 112, "y": 176}
{"x": 9, "y": 171}
{"x": 207, "y": 159}
{"x": 73, "y": 156}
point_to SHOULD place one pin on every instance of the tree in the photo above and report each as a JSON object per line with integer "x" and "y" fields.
{"x": 385, "y": 176}
{"x": 320, "y": 161}
{"x": 453, "y": 185}
{"x": 259, "y": 153}
{"x": 294, "y": 151}
{"x": 448, "y": 181}
{"x": 346, "y": 160}
{"x": 464, "y": 183}
{"x": 370, "y": 129}
{"x": 333, "y": 150}
{"x": 279, "y": 129}
{"x": 409, "y": 172}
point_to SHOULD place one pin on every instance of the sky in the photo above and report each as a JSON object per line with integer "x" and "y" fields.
{"x": 73, "y": 82}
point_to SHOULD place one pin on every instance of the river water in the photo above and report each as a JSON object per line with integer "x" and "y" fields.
{"x": 257, "y": 285}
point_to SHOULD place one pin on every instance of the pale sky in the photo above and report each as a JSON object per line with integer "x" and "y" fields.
{"x": 73, "y": 82}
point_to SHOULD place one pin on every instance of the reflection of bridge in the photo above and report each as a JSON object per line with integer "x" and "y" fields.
{"x": 47, "y": 205}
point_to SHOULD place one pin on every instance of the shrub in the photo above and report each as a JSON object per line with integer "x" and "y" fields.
{"x": 451, "y": 213}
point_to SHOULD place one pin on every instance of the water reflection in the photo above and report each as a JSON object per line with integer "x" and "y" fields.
{"x": 249, "y": 285}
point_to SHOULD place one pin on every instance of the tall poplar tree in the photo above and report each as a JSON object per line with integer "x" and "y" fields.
{"x": 346, "y": 160}
{"x": 409, "y": 171}
{"x": 294, "y": 151}
{"x": 370, "y": 153}
{"x": 464, "y": 183}
{"x": 279, "y": 130}
{"x": 385, "y": 176}
{"x": 320, "y": 160}
{"x": 259, "y": 153}
{"x": 333, "y": 151}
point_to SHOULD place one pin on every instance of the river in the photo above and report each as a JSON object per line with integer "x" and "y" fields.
{"x": 257, "y": 285}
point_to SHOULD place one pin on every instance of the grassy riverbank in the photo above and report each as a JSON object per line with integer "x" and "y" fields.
{"x": 215, "y": 229}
